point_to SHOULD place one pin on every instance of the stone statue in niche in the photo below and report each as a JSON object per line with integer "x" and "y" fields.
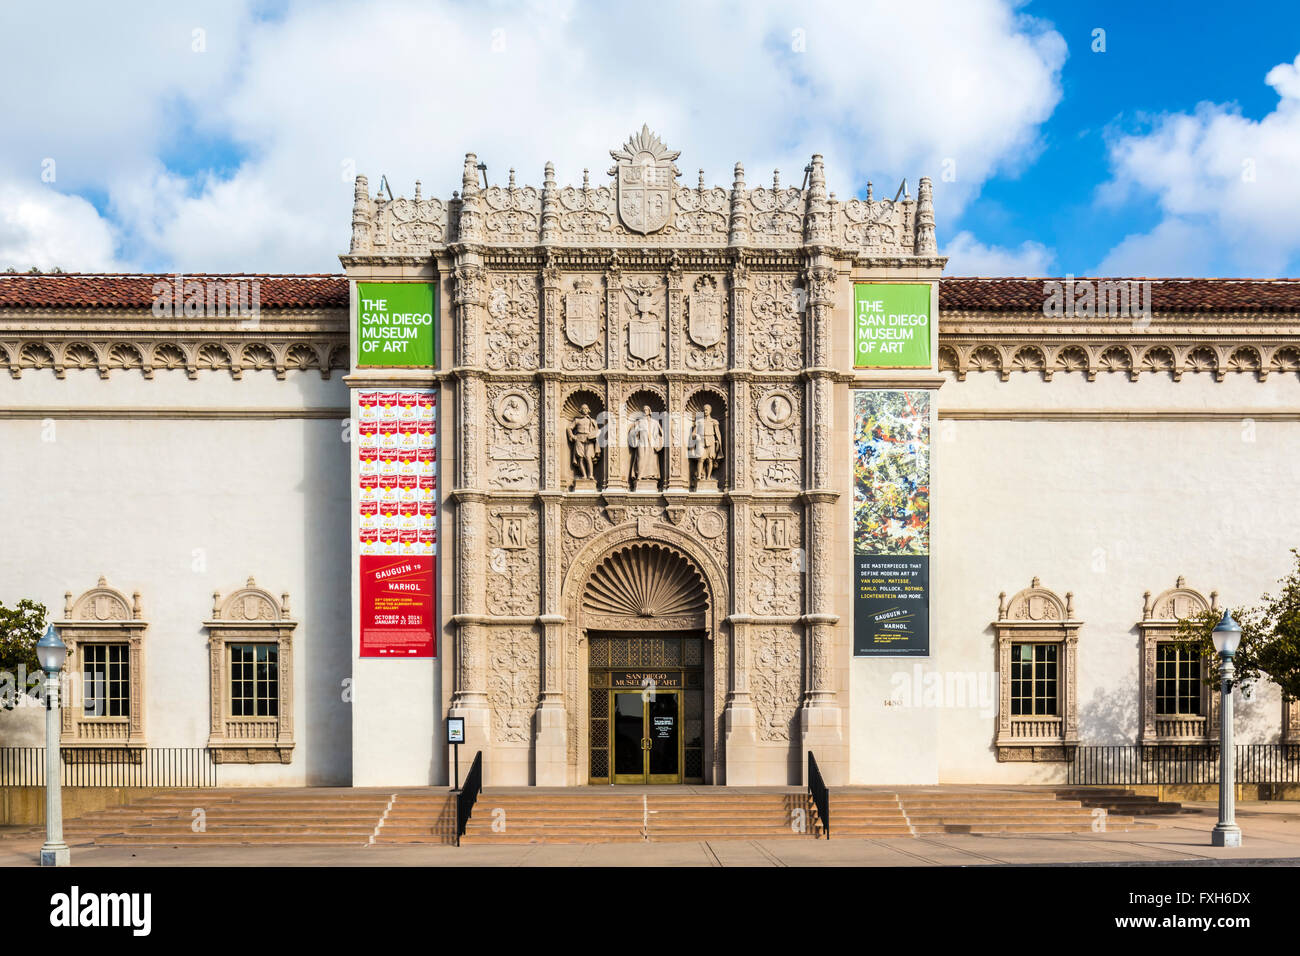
{"x": 705, "y": 446}
{"x": 645, "y": 441}
{"x": 584, "y": 434}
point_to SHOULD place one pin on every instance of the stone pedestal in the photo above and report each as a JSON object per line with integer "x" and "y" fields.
{"x": 742, "y": 745}
{"x": 584, "y": 484}
{"x": 821, "y": 732}
{"x": 551, "y": 746}
{"x": 706, "y": 484}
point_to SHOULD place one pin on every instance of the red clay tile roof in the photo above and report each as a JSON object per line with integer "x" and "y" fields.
{"x": 958, "y": 293}
{"x": 972, "y": 294}
{"x": 103, "y": 291}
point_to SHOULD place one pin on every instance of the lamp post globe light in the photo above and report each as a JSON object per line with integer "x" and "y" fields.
{"x": 1226, "y": 637}
{"x": 52, "y": 652}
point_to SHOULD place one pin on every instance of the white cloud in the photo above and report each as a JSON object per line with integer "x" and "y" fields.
{"x": 44, "y": 228}
{"x": 406, "y": 88}
{"x": 967, "y": 256}
{"x": 1225, "y": 184}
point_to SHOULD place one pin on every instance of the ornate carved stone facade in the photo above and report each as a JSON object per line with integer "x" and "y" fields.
{"x": 674, "y": 314}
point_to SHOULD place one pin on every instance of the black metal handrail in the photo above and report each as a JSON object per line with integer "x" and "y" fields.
{"x": 821, "y": 797}
{"x": 468, "y": 794}
{"x": 111, "y": 767}
{"x": 1129, "y": 764}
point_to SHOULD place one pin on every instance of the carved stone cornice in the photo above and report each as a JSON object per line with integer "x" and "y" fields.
{"x": 1174, "y": 344}
{"x": 107, "y": 340}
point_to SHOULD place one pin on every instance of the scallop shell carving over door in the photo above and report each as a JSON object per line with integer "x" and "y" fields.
{"x": 645, "y": 586}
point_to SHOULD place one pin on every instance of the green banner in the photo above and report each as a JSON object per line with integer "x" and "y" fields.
{"x": 397, "y": 324}
{"x": 891, "y": 325}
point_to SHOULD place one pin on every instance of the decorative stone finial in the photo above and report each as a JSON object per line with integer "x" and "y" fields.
{"x": 817, "y": 224}
{"x": 738, "y": 232}
{"x": 776, "y": 180}
{"x": 512, "y": 177}
{"x": 136, "y": 611}
{"x": 216, "y": 605}
{"x": 550, "y": 214}
{"x": 925, "y": 240}
{"x": 469, "y": 177}
{"x": 417, "y": 190}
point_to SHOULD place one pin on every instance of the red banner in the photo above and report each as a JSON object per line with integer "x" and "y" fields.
{"x": 397, "y": 606}
{"x": 397, "y": 504}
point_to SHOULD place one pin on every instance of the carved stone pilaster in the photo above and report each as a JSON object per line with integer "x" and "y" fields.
{"x": 613, "y": 315}
{"x": 675, "y": 435}
{"x": 614, "y": 437}
{"x": 473, "y": 433}
{"x": 739, "y": 312}
{"x": 554, "y": 444}
{"x": 470, "y": 304}
{"x": 738, "y": 441}
{"x": 550, "y": 319}
{"x": 676, "y": 342}
{"x": 820, "y": 282}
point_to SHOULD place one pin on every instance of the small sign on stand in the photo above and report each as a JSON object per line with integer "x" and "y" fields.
{"x": 455, "y": 737}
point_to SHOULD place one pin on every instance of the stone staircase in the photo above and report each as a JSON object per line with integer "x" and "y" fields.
{"x": 1120, "y": 799}
{"x": 364, "y": 817}
{"x": 307, "y": 816}
{"x": 857, "y": 813}
{"x": 644, "y": 814}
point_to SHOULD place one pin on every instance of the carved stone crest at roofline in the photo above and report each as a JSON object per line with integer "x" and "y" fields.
{"x": 644, "y": 204}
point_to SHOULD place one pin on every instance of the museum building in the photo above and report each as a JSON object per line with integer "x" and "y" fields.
{"x": 649, "y": 482}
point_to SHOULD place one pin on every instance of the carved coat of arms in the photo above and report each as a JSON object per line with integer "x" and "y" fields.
{"x": 643, "y": 329}
{"x": 645, "y": 173}
{"x": 705, "y": 322}
{"x": 582, "y": 315}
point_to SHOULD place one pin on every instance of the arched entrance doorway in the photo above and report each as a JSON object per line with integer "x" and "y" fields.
{"x": 647, "y": 669}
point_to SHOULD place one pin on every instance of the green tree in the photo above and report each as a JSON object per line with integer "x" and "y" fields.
{"x": 20, "y": 628}
{"x": 1270, "y": 637}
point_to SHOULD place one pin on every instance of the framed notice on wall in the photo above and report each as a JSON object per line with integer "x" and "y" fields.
{"x": 397, "y": 452}
{"x": 397, "y": 324}
{"x": 891, "y": 523}
{"x": 891, "y": 325}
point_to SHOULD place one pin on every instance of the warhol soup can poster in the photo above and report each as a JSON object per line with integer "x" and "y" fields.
{"x": 397, "y": 453}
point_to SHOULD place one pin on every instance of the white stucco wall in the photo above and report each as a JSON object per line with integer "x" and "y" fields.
{"x": 179, "y": 508}
{"x": 1103, "y": 508}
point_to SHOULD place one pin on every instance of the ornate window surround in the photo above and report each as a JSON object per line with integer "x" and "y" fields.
{"x": 1290, "y": 721}
{"x": 251, "y": 615}
{"x": 102, "y": 615}
{"x": 1159, "y": 625}
{"x": 1037, "y": 615}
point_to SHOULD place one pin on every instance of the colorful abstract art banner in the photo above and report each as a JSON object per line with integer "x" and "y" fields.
{"x": 891, "y": 523}
{"x": 397, "y": 452}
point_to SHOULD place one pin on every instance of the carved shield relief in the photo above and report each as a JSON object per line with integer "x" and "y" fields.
{"x": 705, "y": 323}
{"x": 645, "y": 173}
{"x": 644, "y": 192}
{"x": 582, "y": 317}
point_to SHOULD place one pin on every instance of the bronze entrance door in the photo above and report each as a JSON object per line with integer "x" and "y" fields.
{"x": 646, "y": 738}
{"x": 646, "y": 708}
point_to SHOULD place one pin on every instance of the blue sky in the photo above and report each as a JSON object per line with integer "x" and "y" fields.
{"x": 1160, "y": 58}
{"x": 223, "y": 135}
